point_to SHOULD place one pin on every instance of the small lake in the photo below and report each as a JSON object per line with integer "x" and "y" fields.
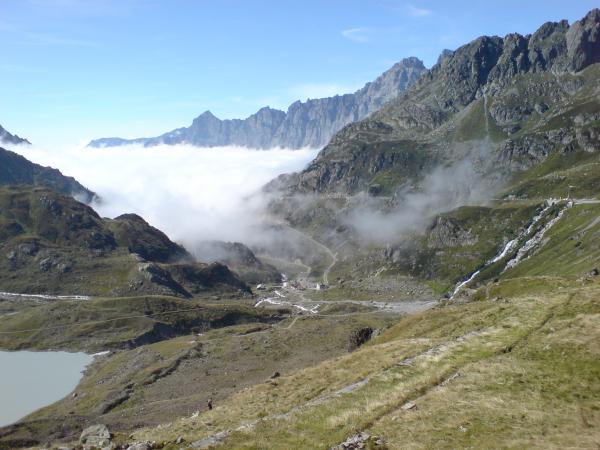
{"x": 30, "y": 380}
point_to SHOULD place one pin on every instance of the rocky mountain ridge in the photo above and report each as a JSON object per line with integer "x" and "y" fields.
{"x": 524, "y": 97}
{"x": 305, "y": 124}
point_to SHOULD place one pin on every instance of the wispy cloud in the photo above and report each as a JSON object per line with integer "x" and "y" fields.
{"x": 415, "y": 11}
{"x": 360, "y": 34}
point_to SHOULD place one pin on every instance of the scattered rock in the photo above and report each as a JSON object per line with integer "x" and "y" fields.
{"x": 180, "y": 440}
{"x": 409, "y": 406}
{"x": 450, "y": 379}
{"x": 95, "y": 436}
{"x": 140, "y": 446}
{"x": 360, "y": 441}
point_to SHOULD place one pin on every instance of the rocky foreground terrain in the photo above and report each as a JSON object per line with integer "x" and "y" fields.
{"x": 441, "y": 263}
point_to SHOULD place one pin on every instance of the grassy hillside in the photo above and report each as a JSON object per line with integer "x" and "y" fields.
{"x": 53, "y": 244}
{"x": 518, "y": 366}
{"x": 114, "y": 323}
{"x": 221, "y": 349}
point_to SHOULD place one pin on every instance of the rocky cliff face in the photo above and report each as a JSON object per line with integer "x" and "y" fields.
{"x": 6, "y": 137}
{"x": 306, "y": 124}
{"x": 17, "y": 170}
{"x": 522, "y": 97}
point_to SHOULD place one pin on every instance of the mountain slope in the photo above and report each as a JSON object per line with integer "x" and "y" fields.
{"x": 517, "y": 367}
{"x": 52, "y": 244}
{"x": 516, "y": 99}
{"x": 506, "y": 123}
{"x": 306, "y": 124}
{"x": 238, "y": 258}
{"x": 17, "y": 170}
{"x": 6, "y": 137}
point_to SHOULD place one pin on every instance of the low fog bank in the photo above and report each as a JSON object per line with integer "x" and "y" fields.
{"x": 469, "y": 176}
{"x": 411, "y": 210}
{"x": 197, "y": 194}
{"x": 192, "y": 194}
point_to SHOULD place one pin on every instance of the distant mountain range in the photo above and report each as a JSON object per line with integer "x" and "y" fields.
{"x": 306, "y": 124}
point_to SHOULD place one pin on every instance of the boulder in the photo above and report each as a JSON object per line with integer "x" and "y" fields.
{"x": 95, "y": 436}
{"x": 140, "y": 446}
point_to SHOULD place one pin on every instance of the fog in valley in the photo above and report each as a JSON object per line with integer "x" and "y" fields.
{"x": 192, "y": 194}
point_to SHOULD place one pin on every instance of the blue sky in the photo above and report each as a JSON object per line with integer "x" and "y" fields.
{"x": 72, "y": 70}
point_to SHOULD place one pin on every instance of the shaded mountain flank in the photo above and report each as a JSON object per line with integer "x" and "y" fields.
{"x": 437, "y": 182}
{"x": 53, "y": 244}
{"x": 516, "y": 100}
{"x": 17, "y": 170}
{"x": 306, "y": 124}
{"x": 239, "y": 258}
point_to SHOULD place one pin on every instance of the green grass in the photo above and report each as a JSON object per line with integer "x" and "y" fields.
{"x": 571, "y": 247}
{"x": 554, "y": 176}
{"x": 103, "y": 323}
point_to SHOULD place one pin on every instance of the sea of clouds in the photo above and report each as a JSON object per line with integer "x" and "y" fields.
{"x": 190, "y": 193}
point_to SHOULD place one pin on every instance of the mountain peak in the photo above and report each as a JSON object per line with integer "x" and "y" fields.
{"x": 411, "y": 61}
{"x": 207, "y": 115}
{"x": 5, "y": 136}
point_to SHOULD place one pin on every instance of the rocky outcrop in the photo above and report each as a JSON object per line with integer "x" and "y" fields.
{"x": 582, "y": 42}
{"x": 151, "y": 244}
{"x": 238, "y": 258}
{"x": 95, "y": 436}
{"x": 306, "y": 124}
{"x": 198, "y": 278}
{"x": 17, "y": 170}
{"x": 447, "y": 232}
{"x": 520, "y": 97}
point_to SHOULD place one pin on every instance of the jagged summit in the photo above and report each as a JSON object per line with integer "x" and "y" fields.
{"x": 305, "y": 124}
{"x": 529, "y": 95}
